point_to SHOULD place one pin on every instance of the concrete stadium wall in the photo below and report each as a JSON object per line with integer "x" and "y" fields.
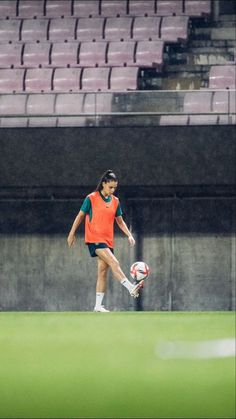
{"x": 177, "y": 189}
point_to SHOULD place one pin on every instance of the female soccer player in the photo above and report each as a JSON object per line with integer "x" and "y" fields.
{"x": 100, "y": 209}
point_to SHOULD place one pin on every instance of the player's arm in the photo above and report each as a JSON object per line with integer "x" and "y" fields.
{"x": 78, "y": 220}
{"x": 123, "y": 226}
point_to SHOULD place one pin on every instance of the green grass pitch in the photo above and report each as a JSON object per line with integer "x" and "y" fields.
{"x": 108, "y": 365}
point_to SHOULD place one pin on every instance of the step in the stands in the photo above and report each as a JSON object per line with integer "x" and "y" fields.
{"x": 209, "y": 59}
{"x": 186, "y": 68}
{"x": 227, "y": 18}
{"x": 212, "y": 43}
{"x": 223, "y": 34}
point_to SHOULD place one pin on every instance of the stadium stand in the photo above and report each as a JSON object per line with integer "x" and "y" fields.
{"x": 79, "y": 46}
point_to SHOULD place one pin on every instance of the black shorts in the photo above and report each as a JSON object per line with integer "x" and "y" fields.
{"x": 93, "y": 246}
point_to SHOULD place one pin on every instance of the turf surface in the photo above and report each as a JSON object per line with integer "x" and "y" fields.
{"x": 107, "y": 365}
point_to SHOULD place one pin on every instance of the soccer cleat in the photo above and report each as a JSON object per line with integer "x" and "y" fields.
{"x": 101, "y": 309}
{"x": 135, "y": 290}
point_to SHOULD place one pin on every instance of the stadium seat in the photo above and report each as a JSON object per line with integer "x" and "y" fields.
{"x": 34, "y": 30}
{"x": 36, "y": 55}
{"x": 58, "y": 8}
{"x": 11, "y": 80}
{"x": 121, "y": 53}
{"x": 30, "y": 9}
{"x": 62, "y": 30}
{"x": 222, "y": 77}
{"x": 118, "y": 28}
{"x": 112, "y": 8}
{"x": 9, "y": 30}
{"x": 90, "y": 29}
{"x": 96, "y": 78}
{"x": 8, "y": 9}
{"x": 220, "y": 102}
{"x": 38, "y": 80}
{"x": 169, "y": 8}
{"x": 174, "y": 120}
{"x": 41, "y": 104}
{"x": 64, "y": 54}
{"x": 92, "y": 54}
{"x": 66, "y": 79}
{"x": 198, "y": 102}
{"x": 124, "y": 78}
{"x": 149, "y": 53}
{"x": 86, "y": 8}
{"x": 47, "y": 121}
{"x": 99, "y": 103}
{"x": 146, "y": 28}
{"x": 13, "y": 104}
{"x": 174, "y": 28}
{"x": 10, "y": 55}
{"x": 70, "y": 104}
{"x": 142, "y": 8}
{"x": 197, "y": 7}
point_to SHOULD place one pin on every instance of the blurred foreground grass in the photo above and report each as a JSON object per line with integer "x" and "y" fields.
{"x": 106, "y": 365}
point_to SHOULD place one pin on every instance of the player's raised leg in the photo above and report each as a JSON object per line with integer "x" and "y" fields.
{"x": 108, "y": 257}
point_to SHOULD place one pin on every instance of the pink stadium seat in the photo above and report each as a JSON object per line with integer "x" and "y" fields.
{"x": 197, "y": 7}
{"x": 7, "y": 9}
{"x": 58, "y": 8}
{"x": 13, "y": 104}
{"x": 70, "y": 104}
{"x": 64, "y": 54}
{"x": 86, "y": 8}
{"x": 142, "y": 8}
{"x": 11, "y": 80}
{"x": 112, "y": 8}
{"x": 149, "y": 53}
{"x": 36, "y": 55}
{"x": 30, "y": 9}
{"x": 10, "y": 55}
{"x": 174, "y": 28}
{"x": 146, "y": 28}
{"x": 66, "y": 79}
{"x": 174, "y": 120}
{"x": 118, "y": 28}
{"x": 46, "y": 121}
{"x": 9, "y": 30}
{"x": 92, "y": 54}
{"x": 198, "y": 102}
{"x": 41, "y": 104}
{"x": 220, "y": 102}
{"x": 169, "y": 8}
{"x": 95, "y": 78}
{"x": 34, "y": 30}
{"x": 124, "y": 78}
{"x": 97, "y": 104}
{"x": 222, "y": 77}
{"x": 38, "y": 80}
{"x": 121, "y": 53}
{"x": 62, "y": 30}
{"x": 90, "y": 29}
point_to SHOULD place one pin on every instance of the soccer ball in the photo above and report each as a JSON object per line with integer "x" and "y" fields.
{"x": 139, "y": 271}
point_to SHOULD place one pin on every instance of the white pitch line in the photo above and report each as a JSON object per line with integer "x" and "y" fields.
{"x": 221, "y": 348}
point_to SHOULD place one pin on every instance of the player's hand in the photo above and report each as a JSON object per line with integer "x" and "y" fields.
{"x": 131, "y": 240}
{"x": 71, "y": 240}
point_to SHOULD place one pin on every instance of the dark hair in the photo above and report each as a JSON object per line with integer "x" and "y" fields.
{"x": 108, "y": 176}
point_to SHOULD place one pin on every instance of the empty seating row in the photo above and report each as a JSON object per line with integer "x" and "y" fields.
{"x": 68, "y": 79}
{"x": 171, "y": 29}
{"x": 89, "y": 8}
{"x": 74, "y": 54}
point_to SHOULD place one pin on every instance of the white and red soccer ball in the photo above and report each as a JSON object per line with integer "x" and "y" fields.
{"x": 139, "y": 271}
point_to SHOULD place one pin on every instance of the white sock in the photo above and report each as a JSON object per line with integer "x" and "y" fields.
{"x": 99, "y": 298}
{"x": 127, "y": 284}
